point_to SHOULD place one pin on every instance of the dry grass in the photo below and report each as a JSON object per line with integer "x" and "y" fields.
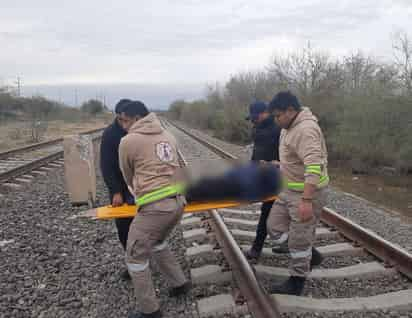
{"x": 18, "y": 133}
{"x": 391, "y": 192}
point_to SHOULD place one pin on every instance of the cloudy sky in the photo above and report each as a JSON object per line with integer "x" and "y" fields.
{"x": 181, "y": 43}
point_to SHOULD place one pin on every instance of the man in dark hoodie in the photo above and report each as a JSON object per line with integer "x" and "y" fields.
{"x": 109, "y": 164}
{"x": 265, "y": 148}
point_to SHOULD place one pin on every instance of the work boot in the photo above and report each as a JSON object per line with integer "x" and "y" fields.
{"x": 280, "y": 249}
{"x": 316, "y": 259}
{"x": 252, "y": 254}
{"x": 138, "y": 314}
{"x": 293, "y": 286}
{"x": 180, "y": 290}
{"x": 124, "y": 275}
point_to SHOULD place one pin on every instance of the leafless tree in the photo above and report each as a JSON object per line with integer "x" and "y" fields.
{"x": 402, "y": 46}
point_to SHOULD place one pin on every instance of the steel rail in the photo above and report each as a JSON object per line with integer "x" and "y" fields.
{"x": 386, "y": 251}
{"x": 260, "y": 304}
{"x": 32, "y": 165}
{"x": 39, "y": 145}
{"x": 224, "y": 154}
{"x": 35, "y": 164}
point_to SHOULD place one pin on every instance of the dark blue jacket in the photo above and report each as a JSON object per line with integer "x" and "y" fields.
{"x": 248, "y": 182}
{"x": 109, "y": 162}
{"x": 266, "y": 141}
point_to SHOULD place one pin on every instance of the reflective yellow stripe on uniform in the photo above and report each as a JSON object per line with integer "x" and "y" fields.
{"x": 160, "y": 194}
{"x": 315, "y": 169}
{"x": 309, "y": 169}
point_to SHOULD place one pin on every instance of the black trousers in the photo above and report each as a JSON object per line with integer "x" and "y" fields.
{"x": 123, "y": 226}
{"x": 261, "y": 231}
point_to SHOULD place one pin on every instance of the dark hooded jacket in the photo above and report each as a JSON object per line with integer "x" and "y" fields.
{"x": 109, "y": 161}
{"x": 266, "y": 141}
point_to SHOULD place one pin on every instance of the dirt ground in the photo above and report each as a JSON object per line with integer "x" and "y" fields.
{"x": 19, "y": 133}
{"x": 390, "y": 192}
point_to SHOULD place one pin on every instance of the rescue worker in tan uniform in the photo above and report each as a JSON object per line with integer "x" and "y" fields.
{"x": 303, "y": 163}
{"x": 149, "y": 162}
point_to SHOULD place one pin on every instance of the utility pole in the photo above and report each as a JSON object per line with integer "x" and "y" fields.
{"x": 75, "y": 97}
{"x": 18, "y": 82}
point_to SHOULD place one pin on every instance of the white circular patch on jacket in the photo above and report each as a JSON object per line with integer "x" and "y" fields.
{"x": 164, "y": 152}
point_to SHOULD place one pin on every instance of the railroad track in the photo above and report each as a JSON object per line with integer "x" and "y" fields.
{"x": 17, "y": 165}
{"x": 362, "y": 273}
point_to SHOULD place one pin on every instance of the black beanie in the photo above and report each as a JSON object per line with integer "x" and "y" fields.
{"x": 135, "y": 108}
{"x": 119, "y": 106}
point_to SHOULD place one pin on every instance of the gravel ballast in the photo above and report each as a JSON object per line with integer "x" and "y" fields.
{"x": 57, "y": 266}
{"x": 367, "y": 214}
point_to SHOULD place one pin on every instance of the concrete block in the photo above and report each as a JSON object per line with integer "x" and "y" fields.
{"x": 240, "y": 222}
{"x": 204, "y": 250}
{"x": 243, "y": 234}
{"x": 196, "y": 235}
{"x": 27, "y": 176}
{"x": 209, "y": 274}
{"x": 39, "y": 173}
{"x": 55, "y": 165}
{"x": 240, "y": 212}
{"x": 190, "y": 221}
{"x": 46, "y": 169}
{"x": 321, "y": 233}
{"x": 324, "y": 233}
{"x": 400, "y": 300}
{"x": 23, "y": 180}
{"x": 216, "y": 306}
{"x": 79, "y": 169}
{"x": 11, "y": 186}
{"x": 339, "y": 249}
{"x": 363, "y": 270}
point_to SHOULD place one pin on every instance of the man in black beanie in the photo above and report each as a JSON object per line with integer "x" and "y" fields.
{"x": 109, "y": 164}
{"x": 265, "y": 148}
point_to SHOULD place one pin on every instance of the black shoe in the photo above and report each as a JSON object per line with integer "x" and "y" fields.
{"x": 180, "y": 290}
{"x": 137, "y": 314}
{"x": 293, "y": 286}
{"x": 316, "y": 259}
{"x": 124, "y": 275}
{"x": 280, "y": 249}
{"x": 252, "y": 254}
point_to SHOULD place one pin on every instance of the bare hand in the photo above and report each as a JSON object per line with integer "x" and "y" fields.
{"x": 117, "y": 199}
{"x": 305, "y": 210}
{"x": 273, "y": 162}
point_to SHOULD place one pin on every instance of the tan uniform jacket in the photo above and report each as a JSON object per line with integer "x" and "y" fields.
{"x": 302, "y": 144}
{"x": 148, "y": 156}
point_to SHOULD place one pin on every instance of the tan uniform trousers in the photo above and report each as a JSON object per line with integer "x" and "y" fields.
{"x": 284, "y": 227}
{"x": 146, "y": 241}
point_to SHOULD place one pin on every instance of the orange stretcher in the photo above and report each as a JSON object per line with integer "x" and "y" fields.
{"x": 127, "y": 211}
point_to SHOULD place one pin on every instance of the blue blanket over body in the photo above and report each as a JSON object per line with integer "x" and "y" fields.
{"x": 250, "y": 182}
